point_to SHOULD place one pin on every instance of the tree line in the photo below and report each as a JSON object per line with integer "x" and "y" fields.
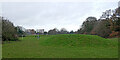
{"x": 108, "y": 27}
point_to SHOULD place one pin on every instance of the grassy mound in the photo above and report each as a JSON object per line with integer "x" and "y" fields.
{"x": 78, "y": 40}
{"x": 61, "y": 46}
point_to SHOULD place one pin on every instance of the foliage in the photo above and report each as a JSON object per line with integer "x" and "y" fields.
{"x": 20, "y": 32}
{"x": 56, "y": 31}
{"x": 107, "y": 27}
{"x": 71, "y": 32}
{"x": 53, "y": 31}
{"x": 8, "y": 31}
{"x": 45, "y": 32}
{"x": 102, "y": 28}
{"x": 63, "y": 31}
{"x": 0, "y": 27}
{"x": 88, "y": 25}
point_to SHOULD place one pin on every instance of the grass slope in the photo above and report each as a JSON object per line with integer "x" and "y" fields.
{"x": 78, "y": 40}
{"x": 62, "y": 46}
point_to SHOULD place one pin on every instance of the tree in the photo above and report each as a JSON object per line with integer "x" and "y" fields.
{"x": 45, "y": 33}
{"x": 115, "y": 23}
{"x": 20, "y": 31}
{"x": 107, "y": 26}
{"x": 53, "y": 31}
{"x": 8, "y": 31}
{"x": 88, "y": 25}
{"x": 117, "y": 19}
{"x": 0, "y": 29}
{"x": 63, "y": 31}
{"x": 101, "y": 28}
{"x": 71, "y": 32}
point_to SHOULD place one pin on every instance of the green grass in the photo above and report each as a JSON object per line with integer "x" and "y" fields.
{"x": 61, "y": 46}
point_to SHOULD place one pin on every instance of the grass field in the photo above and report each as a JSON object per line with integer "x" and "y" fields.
{"x": 61, "y": 46}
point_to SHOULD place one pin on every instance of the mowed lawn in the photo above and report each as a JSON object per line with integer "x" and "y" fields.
{"x": 61, "y": 46}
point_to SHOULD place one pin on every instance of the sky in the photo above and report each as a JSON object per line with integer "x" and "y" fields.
{"x": 49, "y": 15}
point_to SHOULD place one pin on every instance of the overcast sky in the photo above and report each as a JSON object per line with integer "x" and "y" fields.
{"x": 49, "y": 15}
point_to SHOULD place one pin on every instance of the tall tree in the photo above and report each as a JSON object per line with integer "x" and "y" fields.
{"x": 88, "y": 25}
{"x": 8, "y": 31}
{"x": 63, "y": 31}
{"x": 53, "y": 31}
{"x": 20, "y": 31}
{"x": 101, "y": 28}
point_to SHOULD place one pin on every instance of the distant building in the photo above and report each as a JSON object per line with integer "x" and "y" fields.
{"x": 30, "y": 31}
{"x": 41, "y": 31}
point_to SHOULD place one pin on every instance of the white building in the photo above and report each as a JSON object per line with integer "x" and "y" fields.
{"x": 30, "y": 31}
{"x": 40, "y": 30}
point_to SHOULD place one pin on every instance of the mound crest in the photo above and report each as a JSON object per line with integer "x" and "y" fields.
{"x": 77, "y": 40}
